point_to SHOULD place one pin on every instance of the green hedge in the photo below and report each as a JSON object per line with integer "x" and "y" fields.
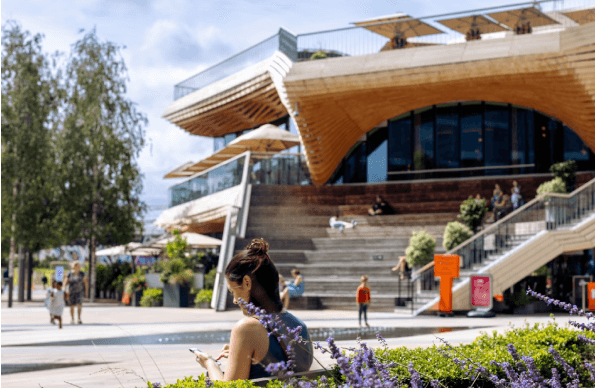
{"x": 529, "y": 340}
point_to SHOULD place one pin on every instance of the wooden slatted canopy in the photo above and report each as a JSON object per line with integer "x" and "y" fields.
{"x": 242, "y": 101}
{"x": 398, "y": 25}
{"x": 581, "y": 16}
{"x": 517, "y": 17}
{"x": 465, "y": 23}
{"x": 265, "y": 139}
{"x": 340, "y": 99}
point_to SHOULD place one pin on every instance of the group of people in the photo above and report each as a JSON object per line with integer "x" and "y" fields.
{"x": 502, "y": 204}
{"x": 56, "y": 298}
{"x": 398, "y": 42}
{"x": 524, "y": 28}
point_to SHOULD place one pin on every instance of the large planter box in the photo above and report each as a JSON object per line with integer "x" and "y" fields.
{"x": 175, "y": 295}
{"x": 135, "y": 298}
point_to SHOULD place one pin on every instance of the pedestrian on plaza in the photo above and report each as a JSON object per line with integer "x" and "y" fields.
{"x": 44, "y": 280}
{"x": 5, "y": 279}
{"x": 252, "y": 277}
{"x": 294, "y": 289}
{"x": 56, "y": 303}
{"x": 363, "y": 299}
{"x": 77, "y": 284}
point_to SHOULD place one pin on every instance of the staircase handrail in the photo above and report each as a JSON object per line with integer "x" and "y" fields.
{"x": 415, "y": 275}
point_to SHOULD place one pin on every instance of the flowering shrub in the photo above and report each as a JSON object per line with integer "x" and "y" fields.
{"x": 184, "y": 278}
{"x": 136, "y": 282}
{"x": 455, "y": 234}
{"x": 560, "y": 357}
{"x": 421, "y": 248}
{"x": 152, "y": 296}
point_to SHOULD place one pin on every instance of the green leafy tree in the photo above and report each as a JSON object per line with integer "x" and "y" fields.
{"x": 455, "y": 234}
{"x": 556, "y": 185}
{"x": 472, "y": 212}
{"x": 102, "y": 136}
{"x": 31, "y": 95}
{"x": 421, "y": 249}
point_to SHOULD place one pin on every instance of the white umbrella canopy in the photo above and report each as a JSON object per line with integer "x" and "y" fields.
{"x": 194, "y": 240}
{"x": 118, "y": 250}
{"x": 400, "y": 25}
{"x": 266, "y": 138}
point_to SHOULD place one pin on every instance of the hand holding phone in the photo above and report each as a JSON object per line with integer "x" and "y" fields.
{"x": 194, "y": 350}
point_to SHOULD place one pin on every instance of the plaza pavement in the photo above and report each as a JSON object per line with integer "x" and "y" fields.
{"x": 128, "y": 364}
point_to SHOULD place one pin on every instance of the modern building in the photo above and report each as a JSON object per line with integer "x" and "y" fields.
{"x": 424, "y": 111}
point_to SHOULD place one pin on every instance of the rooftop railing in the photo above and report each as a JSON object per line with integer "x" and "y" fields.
{"x": 354, "y": 40}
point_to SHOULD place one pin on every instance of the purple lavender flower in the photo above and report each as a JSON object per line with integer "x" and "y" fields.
{"x": 208, "y": 383}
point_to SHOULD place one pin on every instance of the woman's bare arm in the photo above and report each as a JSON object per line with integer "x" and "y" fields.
{"x": 298, "y": 280}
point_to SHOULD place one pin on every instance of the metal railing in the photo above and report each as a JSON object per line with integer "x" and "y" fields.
{"x": 282, "y": 41}
{"x": 280, "y": 169}
{"x": 354, "y": 41}
{"x": 547, "y": 211}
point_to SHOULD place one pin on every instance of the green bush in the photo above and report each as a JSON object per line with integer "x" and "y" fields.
{"x": 210, "y": 279}
{"x": 455, "y": 234}
{"x": 556, "y": 185}
{"x": 421, "y": 249}
{"x": 529, "y": 340}
{"x": 565, "y": 171}
{"x": 203, "y": 296}
{"x": 173, "y": 268}
{"x": 152, "y": 295}
{"x": 135, "y": 282}
{"x": 319, "y": 55}
{"x": 472, "y": 212}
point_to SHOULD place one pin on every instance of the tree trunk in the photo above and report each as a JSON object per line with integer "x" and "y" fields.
{"x": 29, "y": 273}
{"x": 12, "y": 240}
{"x": 21, "y": 274}
{"x": 93, "y": 244}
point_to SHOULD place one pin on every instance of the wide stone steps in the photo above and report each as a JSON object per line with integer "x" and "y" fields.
{"x": 376, "y": 269}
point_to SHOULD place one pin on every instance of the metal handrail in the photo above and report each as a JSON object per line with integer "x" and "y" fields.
{"x": 491, "y": 228}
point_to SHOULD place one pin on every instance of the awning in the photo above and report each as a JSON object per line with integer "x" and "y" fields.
{"x": 265, "y": 139}
{"x": 400, "y": 25}
{"x": 193, "y": 240}
{"x": 464, "y": 24}
{"x": 516, "y": 17}
{"x": 581, "y": 16}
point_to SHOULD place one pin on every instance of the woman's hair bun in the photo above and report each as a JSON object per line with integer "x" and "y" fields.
{"x": 258, "y": 247}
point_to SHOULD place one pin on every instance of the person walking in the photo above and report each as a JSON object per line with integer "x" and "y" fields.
{"x": 293, "y": 289}
{"x": 56, "y": 303}
{"x": 44, "y": 281}
{"x": 363, "y": 299}
{"x": 77, "y": 284}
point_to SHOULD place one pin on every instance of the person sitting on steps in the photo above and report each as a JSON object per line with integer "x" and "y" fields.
{"x": 380, "y": 207}
{"x": 337, "y": 224}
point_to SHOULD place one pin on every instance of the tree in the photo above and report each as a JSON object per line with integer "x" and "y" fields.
{"x": 472, "y": 212}
{"x": 102, "y": 136}
{"x": 30, "y": 99}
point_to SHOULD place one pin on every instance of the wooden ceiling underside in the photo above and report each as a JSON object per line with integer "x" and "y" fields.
{"x": 334, "y": 112}
{"x": 245, "y": 106}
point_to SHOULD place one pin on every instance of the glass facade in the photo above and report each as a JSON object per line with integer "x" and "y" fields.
{"x": 280, "y": 170}
{"x": 218, "y": 179}
{"x": 464, "y": 139}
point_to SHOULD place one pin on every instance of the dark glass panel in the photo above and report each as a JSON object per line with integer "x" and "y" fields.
{"x": 219, "y": 143}
{"x": 355, "y": 165}
{"x": 377, "y": 155}
{"x": 230, "y": 137}
{"x": 471, "y": 136}
{"x": 399, "y": 146}
{"x": 497, "y": 137}
{"x": 423, "y": 135}
{"x": 447, "y": 137}
{"x": 530, "y": 120}
{"x": 574, "y": 147}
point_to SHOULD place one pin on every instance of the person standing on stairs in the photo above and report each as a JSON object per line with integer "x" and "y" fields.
{"x": 363, "y": 299}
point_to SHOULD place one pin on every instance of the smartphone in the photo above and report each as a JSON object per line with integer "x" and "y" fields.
{"x": 192, "y": 350}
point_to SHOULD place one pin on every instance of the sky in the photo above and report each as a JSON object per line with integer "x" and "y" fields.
{"x": 167, "y": 41}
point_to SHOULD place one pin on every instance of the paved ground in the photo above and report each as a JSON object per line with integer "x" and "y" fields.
{"x": 132, "y": 345}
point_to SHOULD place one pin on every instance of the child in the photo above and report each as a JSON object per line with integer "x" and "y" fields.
{"x": 363, "y": 299}
{"x": 56, "y": 305}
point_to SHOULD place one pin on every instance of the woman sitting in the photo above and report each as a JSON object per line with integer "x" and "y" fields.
{"x": 293, "y": 289}
{"x": 252, "y": 277}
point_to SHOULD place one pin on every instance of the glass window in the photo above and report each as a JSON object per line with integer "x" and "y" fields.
{"x": 355, "y": 165}
{"x": 399, "y": 145}
{"x": 377, "y": 155}
{"x": 423, "y": 134}
{"x": 471, "y": 135}
{"x": 518, "y": 133}
{"x": 574, "y": 148}
{"x": 219, "y": 143}
{"x": 497, "y": 137}
{"x": 447, "y": 136}
{"x": 230, "y": 137}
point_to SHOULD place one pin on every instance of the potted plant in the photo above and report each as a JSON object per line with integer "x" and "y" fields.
{"x": 203, "y": 299}
{"x": 455, "y": 234}
{"x": 473, "y": 212}
{"x": 420, "y": 250}
{"x": 177, "y": 277}
{"x": 135, "y": 286}
{"x": 556, "y": 185}
{"x": 152, "y": 297}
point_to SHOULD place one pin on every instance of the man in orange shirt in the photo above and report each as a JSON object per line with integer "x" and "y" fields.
{"x": 363, "y": 299}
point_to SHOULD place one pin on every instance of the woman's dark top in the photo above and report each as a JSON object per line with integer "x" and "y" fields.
{"x": 303, "y": 352}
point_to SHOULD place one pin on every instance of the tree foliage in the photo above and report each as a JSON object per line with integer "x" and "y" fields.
{"x": 421, "y": 248}
{"x": 455, "y": 234}
{"x": 472, "y": 212}
{"x": 30, "y": 100}
{"x": 565, "y": 171}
